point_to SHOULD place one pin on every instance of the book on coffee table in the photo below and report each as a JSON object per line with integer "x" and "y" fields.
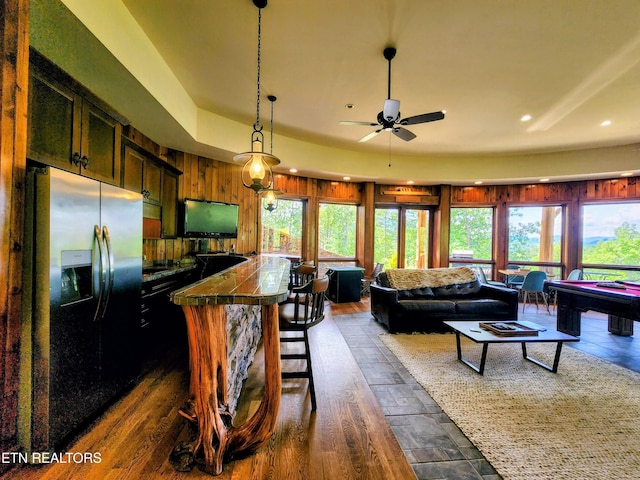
{"x": 508, "y": 329}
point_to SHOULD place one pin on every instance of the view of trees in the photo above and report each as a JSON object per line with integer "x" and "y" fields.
{"x": 416, "y": 238}
{"x": 337, "y": 230}
{"x": 535, "y": 234}
{"x": 471, "y": 231}
{"x": 623, "y": 249}
{"x": 386, "y": 237}
{"x": 282, "y": 228}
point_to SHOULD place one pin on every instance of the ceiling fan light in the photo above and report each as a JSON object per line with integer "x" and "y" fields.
{"x": 391, "y": 109}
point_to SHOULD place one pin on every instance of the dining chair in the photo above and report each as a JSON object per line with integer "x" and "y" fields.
{"x": 575, "y": 275}
{"x": 296, "y": 318}
{"x": 514, "y": 281}
{"x": 482, "y": 278}
{"x": 533, "y": 284}
{"x": 368, "y": 280}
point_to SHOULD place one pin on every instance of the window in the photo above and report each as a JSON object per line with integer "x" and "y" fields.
{"x": 337, "y": 231}
{"x": 611, "y": 237}
{"x": 471, "y": 233}
{"x": 535, "y": 234}
{"x": 282, "y": 228}
{"x": 416, "y": 238}
{"x": 385, "y": 248}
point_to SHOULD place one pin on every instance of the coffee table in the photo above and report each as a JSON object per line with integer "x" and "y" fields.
{"x": 472, "y": 331}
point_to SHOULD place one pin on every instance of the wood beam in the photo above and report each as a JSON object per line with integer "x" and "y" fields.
{"x": 14, "y": 81}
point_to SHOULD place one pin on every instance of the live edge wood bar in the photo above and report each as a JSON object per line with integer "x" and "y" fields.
{"x": 214, "y": 439}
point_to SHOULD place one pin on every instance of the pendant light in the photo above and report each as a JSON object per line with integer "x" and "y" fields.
{"x": 256, "y": 171}
{"x": 270, "y": 195}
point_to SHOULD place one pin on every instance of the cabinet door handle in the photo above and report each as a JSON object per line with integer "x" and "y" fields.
{"x": 75, "y": 159}
{"x": 85, "y": 161}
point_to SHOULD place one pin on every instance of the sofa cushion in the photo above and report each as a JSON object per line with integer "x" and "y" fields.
{"x": 461, "y": 289}
{"x": 427, "y": 307}
{"x": 482, "y": 306}
{"x": 424, "y": 292}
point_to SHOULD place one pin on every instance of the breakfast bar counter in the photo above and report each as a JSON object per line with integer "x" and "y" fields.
{"x": 259, "y": 280}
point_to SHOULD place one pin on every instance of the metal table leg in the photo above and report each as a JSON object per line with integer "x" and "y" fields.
{"x": 556, "y": 359}
{"x": 483, "y": 359}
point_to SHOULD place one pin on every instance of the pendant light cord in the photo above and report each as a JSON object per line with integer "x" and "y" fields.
{"x": 257, "y": 126}
{"x": 272, "y": 99}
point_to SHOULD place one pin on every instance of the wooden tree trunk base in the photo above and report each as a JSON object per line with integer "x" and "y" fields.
{"x": 214, "y": 439}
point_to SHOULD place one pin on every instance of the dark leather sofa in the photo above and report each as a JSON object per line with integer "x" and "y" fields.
{"x": 424, "y": 309}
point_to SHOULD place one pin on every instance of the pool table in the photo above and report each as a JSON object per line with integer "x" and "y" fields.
{"x": 574, "y": 297}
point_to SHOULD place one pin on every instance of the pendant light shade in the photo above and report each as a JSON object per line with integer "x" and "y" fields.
{"x": 256, "y": 170}
{"x": 270, "y": 199}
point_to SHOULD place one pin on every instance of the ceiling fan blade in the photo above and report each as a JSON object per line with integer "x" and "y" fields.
{"x": 369, "y": 136}
{"x": 362, "y": 124}
{"x": 424, "y": 118}
{"x": 403, "y": 133}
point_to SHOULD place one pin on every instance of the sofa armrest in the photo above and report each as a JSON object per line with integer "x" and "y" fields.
{"x": 504, "y": 294}
{"x": 380, "y": 294}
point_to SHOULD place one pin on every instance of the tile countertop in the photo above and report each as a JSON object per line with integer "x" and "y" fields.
{"x": 261, "y": 280}
{"x": 157, "y": 272}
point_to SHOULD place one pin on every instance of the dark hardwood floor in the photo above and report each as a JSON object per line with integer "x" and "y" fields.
{"x": 346, "y": 438}
{"x": 372, "y": 419}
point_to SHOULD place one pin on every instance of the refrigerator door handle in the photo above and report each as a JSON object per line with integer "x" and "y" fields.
{"x": 110, "y": 268}
{"x": 101, "y": 271}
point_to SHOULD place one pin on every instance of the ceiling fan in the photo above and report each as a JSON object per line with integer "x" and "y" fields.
{"x": 389, "y": 118}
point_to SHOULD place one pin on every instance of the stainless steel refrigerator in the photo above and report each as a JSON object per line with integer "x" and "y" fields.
{"x": 83, "y": 274}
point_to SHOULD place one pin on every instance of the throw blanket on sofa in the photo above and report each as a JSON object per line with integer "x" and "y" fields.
{"x": 408, "y": 279}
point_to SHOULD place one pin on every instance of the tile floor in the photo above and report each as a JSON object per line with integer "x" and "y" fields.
{"x": 435, "y": 447}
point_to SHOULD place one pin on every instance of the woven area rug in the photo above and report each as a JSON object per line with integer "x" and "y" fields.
{"x": 580, "y": 423}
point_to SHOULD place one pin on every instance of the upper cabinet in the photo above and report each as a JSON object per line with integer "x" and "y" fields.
{"x": 142, "y": 173}
{"x": 158, "y": 183}
{"x": 68, "y": 129}
{"x": 169, "y": 204}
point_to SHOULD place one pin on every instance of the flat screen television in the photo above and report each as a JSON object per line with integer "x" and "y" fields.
{"x": 210, "y": 219}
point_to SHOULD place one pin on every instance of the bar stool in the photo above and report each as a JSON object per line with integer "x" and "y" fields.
{"x": 306, "y": 310}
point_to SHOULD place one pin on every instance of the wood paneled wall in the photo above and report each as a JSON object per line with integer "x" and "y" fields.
{"x": 209, "y": 179}
{"x": 584, "y": 191}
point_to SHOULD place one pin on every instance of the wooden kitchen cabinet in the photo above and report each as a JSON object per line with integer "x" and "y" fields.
{"x": 142, "y": 174}
{"x": 67, "y": 129}
{"x": 162, "y": 322}
{"x": 133, "y": 169}
{"x": 158, "y": 184}
{"x": 169, "y": 204}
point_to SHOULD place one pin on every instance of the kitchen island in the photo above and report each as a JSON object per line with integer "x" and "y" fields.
{"x": 261, "y": 281}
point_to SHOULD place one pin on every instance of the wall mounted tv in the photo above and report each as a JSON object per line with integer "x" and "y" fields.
{"x": 210, "y": 219}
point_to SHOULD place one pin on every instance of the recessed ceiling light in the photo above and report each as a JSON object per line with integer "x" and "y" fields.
{"x": 293, "y": 170}
{"x": 349, "y": 106}
{"x": 606, "y": 123}
{"x": 410, "y": 182}
{"x": 544, "y": 179}
{"x": 346, "y": 178}
{"x": 626, "y": 174}
{"x": 478, "y": 182}
{"x": 525, "y": 118}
